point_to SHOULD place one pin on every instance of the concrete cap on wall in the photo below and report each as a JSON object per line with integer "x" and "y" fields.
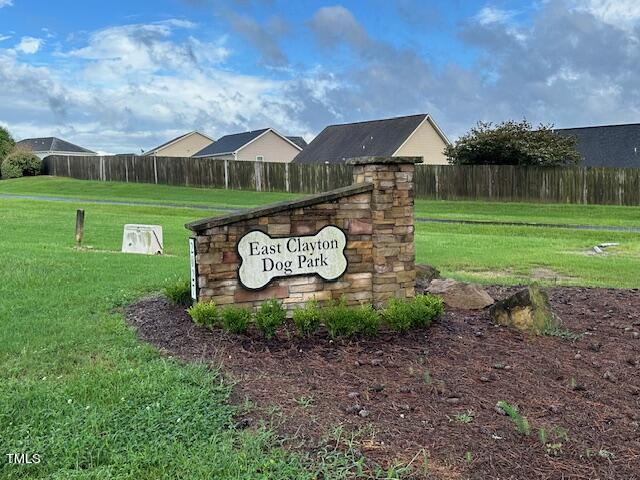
{"x": 373, "y": 160}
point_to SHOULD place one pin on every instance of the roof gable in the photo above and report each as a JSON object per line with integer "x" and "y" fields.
{"x": 232, "y": 143}
{"x": 177, "y": 139}
{"x": 51, "y": 144}
{"x": 375, "y": 138}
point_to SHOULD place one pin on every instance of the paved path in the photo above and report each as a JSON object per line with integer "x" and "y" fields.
{"x": 136, "y": 203}
{"x": 211, "y": 208}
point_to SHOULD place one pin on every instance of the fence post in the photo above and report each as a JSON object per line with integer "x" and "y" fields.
{"x": 155, "y": 169}
{"x": 286, "y": 177}
{"x": 226, "y": 174}
{"x": 258, "y": 175}
{"x": 68, "y": 166}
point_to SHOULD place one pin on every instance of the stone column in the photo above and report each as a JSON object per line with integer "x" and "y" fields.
{"x": 394, "y": 273}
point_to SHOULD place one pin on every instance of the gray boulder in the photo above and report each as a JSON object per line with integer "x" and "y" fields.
{"x": 466, "y": 296}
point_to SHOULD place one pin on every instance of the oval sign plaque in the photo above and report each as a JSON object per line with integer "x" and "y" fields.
{"x": 265, "y": 258}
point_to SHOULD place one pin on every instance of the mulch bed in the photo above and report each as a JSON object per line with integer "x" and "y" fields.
{"x": 413, "y": 385}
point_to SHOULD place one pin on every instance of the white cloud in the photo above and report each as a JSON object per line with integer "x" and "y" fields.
{"x": 4, "y": 37}
{"x": 120, "y": 52}
{"x": 134, "y": 86}
{"x": 6, "y": 3}
{"x": 29, "y": 45}
{"x": 620, "y": 13}
{"x": 489, "y": 15}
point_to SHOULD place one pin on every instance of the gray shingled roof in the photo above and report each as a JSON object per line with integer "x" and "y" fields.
{"x": 51, "y": 144}
{"x": 301, "y": 142}
{"x": 607, "y": 145}
{"x": 229, "y": 143}
{"x": 336, "y": 143}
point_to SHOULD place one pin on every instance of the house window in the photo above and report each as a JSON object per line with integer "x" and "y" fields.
{"x": 259, "y": 158}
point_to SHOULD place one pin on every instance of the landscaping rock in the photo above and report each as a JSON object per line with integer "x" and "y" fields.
{"x": 466, "y": 296}
{"x": 425, "y": 274}
{"x": 528, "y": 310}
{"x": 363, "y": 413}
{"x": 353, "y": 409}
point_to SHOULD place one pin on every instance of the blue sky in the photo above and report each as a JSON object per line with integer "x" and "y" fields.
{"x": 122, "y": 76}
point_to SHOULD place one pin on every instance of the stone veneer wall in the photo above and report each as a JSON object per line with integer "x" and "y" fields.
{"x": 392, "y": 202}
{"x": 376, "y": 213}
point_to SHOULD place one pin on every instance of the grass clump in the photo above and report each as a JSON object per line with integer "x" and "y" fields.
{"x": 563, "y": 333}
{"x": 204, "y": 314}
{"x": 269, "y": 317}
{"x": 342, "y": 321}
{"x": 179, "y": 293}
{"x": 307, "y": 319}
{"x": 403, "y": 314}
{"x": 521, "y": 422}
{"x": 465, "y": 417}
{"x": 235, "y": 319}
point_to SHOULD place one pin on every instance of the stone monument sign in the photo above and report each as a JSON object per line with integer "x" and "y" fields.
{"x": 355, "y": 243}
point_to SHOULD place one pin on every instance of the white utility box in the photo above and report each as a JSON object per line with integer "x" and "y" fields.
{"x": 144, "y": 239}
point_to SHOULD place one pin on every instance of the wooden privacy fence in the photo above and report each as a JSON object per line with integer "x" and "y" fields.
{"x": 202, "y": 172}
{"x": 606, "y": 186}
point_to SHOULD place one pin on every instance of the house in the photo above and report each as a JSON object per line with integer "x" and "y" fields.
{"x": 414, "y": 135}
{"x": 183, "y": 146}
{"x": 607, "y": 145}
{"x": 43, "y": 147}
{"x": 265, "y": 145}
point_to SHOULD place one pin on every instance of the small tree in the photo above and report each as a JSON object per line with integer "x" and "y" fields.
{"x": 6, "y": 143}
{"x": 513, "y": 143}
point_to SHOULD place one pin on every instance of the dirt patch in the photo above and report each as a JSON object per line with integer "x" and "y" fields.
{"x": 413, "y": 386}
{"x": 536, "y": 274}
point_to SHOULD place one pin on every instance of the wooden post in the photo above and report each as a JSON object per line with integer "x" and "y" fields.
{"x": 79, "y": 226}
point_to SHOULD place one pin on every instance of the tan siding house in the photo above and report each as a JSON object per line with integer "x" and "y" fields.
{"x": 412, "y": 135}
{"x": 183, "y": 146}
{"x": 265, "y": 145}
{"x": 426, "y": 141}
{"x": 269, "y": 147}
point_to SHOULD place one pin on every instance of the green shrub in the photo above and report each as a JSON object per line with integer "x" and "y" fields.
{"x": 342, "y": 321}
{"x": 402, "y": 314}
{"x": 368, "y": 319}
{"x": 235, "y": 319}
{"x": 20, "y": 163}
{"x": 204, "y": 313}
{"x": 269, "y": 317}
{"x": 307, "y": 319}
{"x": 179, "y": 292}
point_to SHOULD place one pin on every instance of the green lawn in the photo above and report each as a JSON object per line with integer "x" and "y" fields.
{"x": 459, "y": 210}
{"x": 530, "y": 213}
{"x": 138, "y": 192}
{"x": 81, "y": 391}
{"x": 515, "y": 255}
